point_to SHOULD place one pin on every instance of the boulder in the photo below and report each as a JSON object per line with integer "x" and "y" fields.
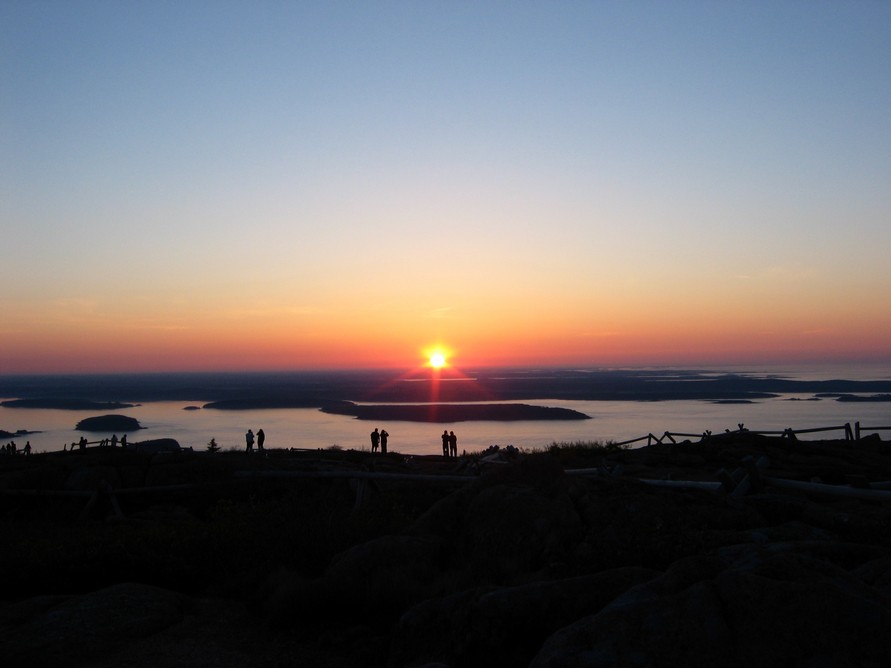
{"x": 787, "y": 609}
{"x": 156, "y": 446}
{"x": 503, "y": 626}
{"x": 517, "y": 520}
{"x": 369, "y": 583}
{"x": 72, "y": 630}
{"x": 89, "y": 478}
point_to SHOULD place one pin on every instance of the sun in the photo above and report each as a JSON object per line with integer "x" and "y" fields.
{"x": 436, "y": 356}
{"x": 437, "y": 359}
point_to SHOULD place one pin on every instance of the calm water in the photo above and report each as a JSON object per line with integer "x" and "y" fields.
{"x": 611, "y": 421}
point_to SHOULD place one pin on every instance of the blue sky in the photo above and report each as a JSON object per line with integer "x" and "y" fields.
{"x": 538, "y": 177}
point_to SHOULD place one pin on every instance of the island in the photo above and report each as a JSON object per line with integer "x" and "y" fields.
{"x": 859, "y": 398}
{"x": 109, "y": 423}
{"x": 15, "y": 434}
{"x": 452, "y": 412}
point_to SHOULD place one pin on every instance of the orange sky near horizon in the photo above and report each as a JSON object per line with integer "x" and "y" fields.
{"x": 656, "y": 335}
{"x": 323, "y": 186}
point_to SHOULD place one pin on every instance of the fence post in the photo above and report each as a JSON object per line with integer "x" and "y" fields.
{"x": 857, "y": 430}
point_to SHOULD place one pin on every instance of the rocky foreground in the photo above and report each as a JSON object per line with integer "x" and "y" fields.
{"x": 572, "y": 557}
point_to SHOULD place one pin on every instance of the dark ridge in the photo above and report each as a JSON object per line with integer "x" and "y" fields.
{"x": 266, "y": 401}
{"x": 454, "y": 412}
{"x": 65, "y": 404}
{"x": 872, "y": 398}
{"x": 315, "y": 389}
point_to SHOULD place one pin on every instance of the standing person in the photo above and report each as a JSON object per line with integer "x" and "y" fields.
{"x": 384, "y": 437}
{"x": 375, "y": 439}
{"x": 445, "y": 443}
{"x": 453, "y": 444}
{"x": 261, "y": 439}
{"x": 124, "y": 441}
{"x": 249, "y": 440}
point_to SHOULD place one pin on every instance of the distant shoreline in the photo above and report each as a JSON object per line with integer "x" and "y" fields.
{"x": 65, "y": 404}
{"x": 242, "y": 391}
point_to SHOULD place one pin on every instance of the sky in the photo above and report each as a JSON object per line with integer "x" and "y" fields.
{"x": 308, "y": 185}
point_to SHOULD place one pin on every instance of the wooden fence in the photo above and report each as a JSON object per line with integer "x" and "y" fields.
{"x": 852, "y": 433}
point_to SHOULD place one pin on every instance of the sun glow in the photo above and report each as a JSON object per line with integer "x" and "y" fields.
{"x": 437, "y": 360}
{"x": 437, "y": 357}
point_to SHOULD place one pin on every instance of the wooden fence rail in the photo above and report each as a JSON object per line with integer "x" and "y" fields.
{"x": 852, "y": 433}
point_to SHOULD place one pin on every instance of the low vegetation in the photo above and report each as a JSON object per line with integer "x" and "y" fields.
{"x": 608, "y": 446}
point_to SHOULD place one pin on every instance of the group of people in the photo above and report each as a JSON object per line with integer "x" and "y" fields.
{"x": 12, "y": 449}
{"x": 379, "y": 439}
{"x": 249, "y": 440}
{"x": 113, "y": 441}
{"x": 449, "y": 444}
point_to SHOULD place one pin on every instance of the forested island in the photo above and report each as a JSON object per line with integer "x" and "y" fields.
{"x": 453, "y": 412}
{"x": 109, "y": 423}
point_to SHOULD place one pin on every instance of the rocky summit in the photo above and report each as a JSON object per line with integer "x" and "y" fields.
{"x": 736, "y": 550}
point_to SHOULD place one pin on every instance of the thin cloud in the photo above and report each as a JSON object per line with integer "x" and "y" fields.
{"x": 790, "y": 273}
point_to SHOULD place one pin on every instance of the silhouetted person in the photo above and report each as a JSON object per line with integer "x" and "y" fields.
{"x": 384, "y": 437}
{"x": 249, "y": 440}
{"x": 261, "y": 439}
{"x": 114, "y": 441}
{"x": 375, "y": 440}
{"x": 124, "y": 441}
{"x": 28, "y": 448}
{"x": 453, "y": 444}
{"x": 82, "y": 443}
{"x": 445, "y": 443}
